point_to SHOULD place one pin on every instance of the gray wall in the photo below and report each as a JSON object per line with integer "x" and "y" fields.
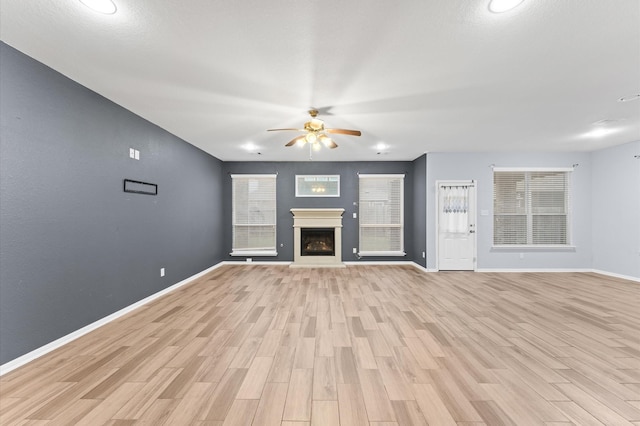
{"x": 616, "y": 210}
{"x": 286, "y": 200}
{"x": 74, "y": 247}
{"x": 477, "y": 166}
{"x": 419, "y": 227}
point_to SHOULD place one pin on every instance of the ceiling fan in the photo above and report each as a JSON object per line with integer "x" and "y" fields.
{"x": 316, "y": 133}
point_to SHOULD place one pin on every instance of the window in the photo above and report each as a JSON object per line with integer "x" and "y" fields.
{"x": 381, "y": 215}
{"x": 531, "y": 207}
{"x": 253, "y": 201}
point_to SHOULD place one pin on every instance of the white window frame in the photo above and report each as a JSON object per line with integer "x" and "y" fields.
{"x": 271, "y": 221}
{"x": 362, "y": 226}
{"x": 319, "y": 179}
{"x": 529, "y": 214}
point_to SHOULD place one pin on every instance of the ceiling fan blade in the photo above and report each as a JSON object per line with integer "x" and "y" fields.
{"x": 295, "y": 140}
{"x": 276, "y": 130}
{"x": 344, "y": 132}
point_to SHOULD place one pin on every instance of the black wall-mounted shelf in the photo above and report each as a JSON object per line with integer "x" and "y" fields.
{"x": 138, "y": 187}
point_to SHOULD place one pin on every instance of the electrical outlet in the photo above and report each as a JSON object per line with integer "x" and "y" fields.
{"x": 162, "y": 272}
{"x": 249, "y": 260}
{"x": 355, "y": 215}
{"x": 355, "y": 250}
{"x": 132, "y": 153}
{"x": 137, "y": 154}
{"x": 424, "y": 255}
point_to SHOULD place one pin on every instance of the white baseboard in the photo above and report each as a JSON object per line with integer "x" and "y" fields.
{"x": 37, "y": 353}
{"x": 260, "y": 262}
{"x": 378, "y": 262}
{"x": 613, "y": 274}
{"x": 534, "y": 270}
{"x": 595, "y": 271}
{"x": 348, "y": 263}
{"x": 422, "y": 268}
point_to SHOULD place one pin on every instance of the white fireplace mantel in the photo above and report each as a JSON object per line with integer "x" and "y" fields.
{"x": 317, "y": 218}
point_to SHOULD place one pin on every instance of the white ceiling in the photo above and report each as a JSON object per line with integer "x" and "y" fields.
{"x": 417, "y": 75}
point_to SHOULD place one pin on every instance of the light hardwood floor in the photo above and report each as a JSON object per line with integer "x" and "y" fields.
{"x": 365, "y": 345}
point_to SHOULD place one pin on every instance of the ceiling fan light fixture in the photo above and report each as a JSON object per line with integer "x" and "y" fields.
{"x": 501, "y": 6}
{"x": 106, "y": 7}
{"x": 316, "y": 134}
{"x": 311, "y": 137}
{"x": 316, "y": 124}
{"x": 326, "y": 140}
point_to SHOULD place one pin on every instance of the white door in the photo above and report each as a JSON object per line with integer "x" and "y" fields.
{"x": 456, "y": 224}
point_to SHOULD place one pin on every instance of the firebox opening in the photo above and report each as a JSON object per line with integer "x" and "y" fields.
{"x": 317, "y": 242}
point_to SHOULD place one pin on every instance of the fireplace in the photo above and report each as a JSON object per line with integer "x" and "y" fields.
{"x": 317, "y": 242}
{"x": 317, "y": 238}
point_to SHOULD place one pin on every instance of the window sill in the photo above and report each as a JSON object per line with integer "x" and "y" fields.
{"x": 381, "y": 253}
{"x": 254, "y": 253}
{"x": 533, "y": 248}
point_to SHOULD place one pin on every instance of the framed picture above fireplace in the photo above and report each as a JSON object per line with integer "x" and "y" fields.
{"x": 317, "y": 185}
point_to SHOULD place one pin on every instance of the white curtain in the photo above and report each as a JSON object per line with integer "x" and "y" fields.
{"x": 454, "y": 209}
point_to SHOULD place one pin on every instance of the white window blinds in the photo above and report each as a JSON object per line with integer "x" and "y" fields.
{"x": 381, "y": 215}
{"x": 531, "y": 208}
{"x": 254, "y": 215}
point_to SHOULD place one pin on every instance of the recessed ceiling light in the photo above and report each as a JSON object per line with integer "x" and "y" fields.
{"x": 499, "y": 6}
{"x": 250, "y": 146}
{"x": 629, "y": 98}
{"x": 600, "y": 132}
{"x": 107, "y": 7}
{"x": 381, "y": 146}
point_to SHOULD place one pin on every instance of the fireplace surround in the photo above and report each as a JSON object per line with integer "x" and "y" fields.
{"x": 317, "y": 238}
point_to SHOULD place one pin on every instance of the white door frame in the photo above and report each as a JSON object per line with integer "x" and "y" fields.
{"x": 473, "y": 218}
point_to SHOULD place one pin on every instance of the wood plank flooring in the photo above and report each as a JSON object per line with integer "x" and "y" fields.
{"x": 365, "y": 345}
